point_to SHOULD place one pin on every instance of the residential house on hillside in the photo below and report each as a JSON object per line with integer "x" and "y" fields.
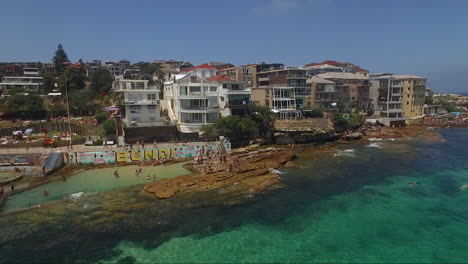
{"x": 204, "y": 70}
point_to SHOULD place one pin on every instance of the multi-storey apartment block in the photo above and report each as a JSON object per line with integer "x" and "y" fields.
{"x": 390, "y": 93}
{"x": 28, "y": 84}
{"x": 282, "y": 89}
{"x": 192, "y": 101}
{"x": 142, "y": 104}
{"x": 350, "y": 90}
{"x": 234, "y": 97}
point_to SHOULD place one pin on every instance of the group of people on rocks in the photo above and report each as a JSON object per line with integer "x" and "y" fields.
{"x": 223, "y": 163}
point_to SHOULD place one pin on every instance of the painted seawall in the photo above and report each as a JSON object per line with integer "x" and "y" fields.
{"x": 104, "y": 157}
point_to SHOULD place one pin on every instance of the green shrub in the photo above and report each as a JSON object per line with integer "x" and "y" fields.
{"x": 57, "y": 110}
{"x": 98, "y": 142}
{"x": 108, "y": 127}
{"x": 316, "y": 112}
{"x": 101, "y": 116}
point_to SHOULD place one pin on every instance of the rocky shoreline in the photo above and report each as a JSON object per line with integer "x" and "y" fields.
{"x": 254, "y": 171}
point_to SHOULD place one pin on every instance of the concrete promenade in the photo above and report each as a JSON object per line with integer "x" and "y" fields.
{"x": 83, "y": 148}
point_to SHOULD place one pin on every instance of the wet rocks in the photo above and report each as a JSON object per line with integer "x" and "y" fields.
{"x": 253, "y": 174}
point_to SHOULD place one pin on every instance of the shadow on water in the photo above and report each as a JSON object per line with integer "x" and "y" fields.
{"x": 66, "y": 238}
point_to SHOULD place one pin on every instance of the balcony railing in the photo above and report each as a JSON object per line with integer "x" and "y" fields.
{"x": 209, "y": 93}
{"x": 193, "y": 107}
{"x": 296, "y": 76}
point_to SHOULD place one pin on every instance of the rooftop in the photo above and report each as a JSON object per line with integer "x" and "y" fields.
{"x": 316, "y": 79}
{"x": 399, "y": 77}
{"x": 342, "y": 75}
{"x": 201, "y": 66}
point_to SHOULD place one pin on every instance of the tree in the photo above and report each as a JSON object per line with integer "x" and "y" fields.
{"x": 57, "y": 110}
{"x": 24, "y": 106}
{"x": 127, "y": 75}
{"x": 264, "y": 118}
{"x": 353, "y": 120}
{"x": 238, "y": 129}
{"x": 108, "y": 127}
{"x": 147, "y": 68}
{"x": 428, "y": 100}
{"x": 48, "y": 83}
{"x": 60, "y": 58}
{"x": 75, "y": 79}
{"x": 100, "y": 116}
{"x": 101, "y": 80}
{"x": 15, "y": 90}
{"x": 449, "y": 107}
{"x": 82, "y": 102}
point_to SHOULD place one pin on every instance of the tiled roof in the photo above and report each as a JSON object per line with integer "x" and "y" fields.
{"x": 202, "y": 66}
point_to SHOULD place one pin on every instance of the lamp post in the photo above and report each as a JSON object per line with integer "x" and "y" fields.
{"x": 68, "y": 110}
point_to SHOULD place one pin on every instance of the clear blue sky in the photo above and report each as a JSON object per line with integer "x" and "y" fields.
{"x": 424, "y": 37}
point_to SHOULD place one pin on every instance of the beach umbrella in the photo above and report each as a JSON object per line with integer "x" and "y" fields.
{"x": 18, "y": 132}
{"x": 108, "y": 109}
{"x": 28, "y": 131}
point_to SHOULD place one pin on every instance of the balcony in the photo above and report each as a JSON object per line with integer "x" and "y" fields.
{"x": 238, "y": 104}
{"x": 141, "y": 102}
{"x": 202, "y": 108}
{"x": 198, "y": 94}
{"x": 120, "y": 88}
{"x": 240, "y": 91}
{"x": 135, "y": 123}
{"x": 296, "y": 76}
{"x": 396, "y": 110}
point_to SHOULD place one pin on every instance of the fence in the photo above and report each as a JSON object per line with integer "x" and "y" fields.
{"x": 59, "y": 125}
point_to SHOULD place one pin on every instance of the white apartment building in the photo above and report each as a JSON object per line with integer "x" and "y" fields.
{"x": 142, "y": 104}
{"x": 28, "y": 84}
{"x": 31, "y": 72}
{"x": 191, "y": 101}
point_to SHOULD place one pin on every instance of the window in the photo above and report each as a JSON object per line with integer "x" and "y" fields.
{"x": 235, "y": 86}
{"x": 151, "y": 97}
{"x": 135, "y": 109}
{"x": 140, "y": 97}
{"x": 151, "y": 108}
{"x": 213, "y": 88}
{"x": 224, "y": 85}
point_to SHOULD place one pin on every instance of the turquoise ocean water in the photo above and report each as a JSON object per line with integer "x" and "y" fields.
{"x": 343, "y": 204}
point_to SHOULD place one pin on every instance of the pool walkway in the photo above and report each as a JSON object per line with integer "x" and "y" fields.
{"x": 83, "y": 148}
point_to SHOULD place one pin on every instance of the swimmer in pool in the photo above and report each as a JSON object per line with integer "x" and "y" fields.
{"x": 463, "y": 187}
{"x": 410, "y": 184}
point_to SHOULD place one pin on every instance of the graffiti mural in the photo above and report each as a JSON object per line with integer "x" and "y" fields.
{"x": 144, "y": 154}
